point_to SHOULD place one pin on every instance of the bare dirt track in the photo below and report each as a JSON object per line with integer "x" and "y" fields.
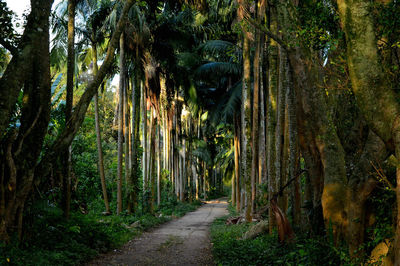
{"x": 184, "y": 241}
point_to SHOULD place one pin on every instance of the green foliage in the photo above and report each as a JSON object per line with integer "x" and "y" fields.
{"x": 320, "y": 24}
{"x": 381, "y": 217}
{"x": 230, "y": 249}
{"x": 50, "y": 239}
{"x": 7, "y": 32}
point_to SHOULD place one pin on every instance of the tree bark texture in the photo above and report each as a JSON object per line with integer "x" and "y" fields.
{"x": 21, "y": 151}
{"x": 120, "y": 122}
{"x": 246, "y": 113}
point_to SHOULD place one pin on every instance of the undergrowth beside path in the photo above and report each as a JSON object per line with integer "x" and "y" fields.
{"x": 230, "y": 249}
{"x": 52, "y": 240}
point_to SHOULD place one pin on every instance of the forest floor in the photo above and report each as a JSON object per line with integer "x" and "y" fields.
{"x": 184, "y": 241}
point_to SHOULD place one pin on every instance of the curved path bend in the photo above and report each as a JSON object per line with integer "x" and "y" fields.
{"x": 184, "y": 241}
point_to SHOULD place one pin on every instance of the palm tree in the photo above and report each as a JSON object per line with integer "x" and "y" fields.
{"x": 246, "y": 113}
{"x": 121, "y": 94}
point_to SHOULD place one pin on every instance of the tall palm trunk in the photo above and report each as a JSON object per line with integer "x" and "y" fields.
{"x": 233, "y": 181}
{"x": 127, "y": 138}
{"x": 152, "y": 159}
{"x": 280, "y": 125}
{"x": 293, "y": 149}
{"x": 237, "y": 163}
{"x": 66, "y": 184}
{"x": 258, "y": 70}
{"x": 158, "y": 154}
{"x": 148, "y": 143}
{"x": 246, "y": 113}
{"x": 271, "y": 116}
{"x": 133, "y": 190}
{"x": 120, "y": 122}
{"x": 144, "y": 135}
{"x": 98, "y": 133}
{"x": 255, "y": 125}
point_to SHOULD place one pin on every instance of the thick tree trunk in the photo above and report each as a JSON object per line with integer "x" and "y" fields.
{"x": 369, "y": 83}
{"x": 22, "y": 149}
{"x": 361, "y": 184}
{"x": 34, "y": 121}
{"x": 319, "y": 121}
{"x": 14, "y": 76}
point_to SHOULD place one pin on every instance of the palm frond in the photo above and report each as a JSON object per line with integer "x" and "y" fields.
{"x": 232, "y": 105}
{"x": 218, "y": 69}
{"x": 216, "y": 47}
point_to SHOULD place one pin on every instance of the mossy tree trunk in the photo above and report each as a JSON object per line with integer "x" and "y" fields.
{"x": 374, "y": 97}
{"x": 246, "y": 112}
{"x": 21, "y": 148}
{"x": 280, "y": 126}
{"x": 271, "y": 115}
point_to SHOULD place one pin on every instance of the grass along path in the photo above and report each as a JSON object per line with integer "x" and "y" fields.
{"x": 184, "y": 241}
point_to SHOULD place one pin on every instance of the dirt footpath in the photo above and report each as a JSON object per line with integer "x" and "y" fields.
{"x": 184, "y": 241}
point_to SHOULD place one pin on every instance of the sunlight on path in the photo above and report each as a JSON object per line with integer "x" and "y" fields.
{"x": 184, "y": 241}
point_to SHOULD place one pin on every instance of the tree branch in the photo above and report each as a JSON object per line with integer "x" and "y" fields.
{"x": 13, "y": 50}
{"x": 264, "y": 29}
{"x": 65, "y": 138}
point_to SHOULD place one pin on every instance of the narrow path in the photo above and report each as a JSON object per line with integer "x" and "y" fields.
{"x": 184, "y": 241}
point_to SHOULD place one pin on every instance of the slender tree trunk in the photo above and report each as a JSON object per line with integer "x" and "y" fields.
{"x": 280, "y": 125}
{"x": 183, "y": 171}
{"x": 148, "y": 143}
{"x": 120, "y": 123}
{"x": 98, "y": 133}
{"x": 144, "y": 137}
{"x": 271, "y": 116}
{"x": 262, "y": 171}
{"x": 158, "y": 154}
{"x": 293, "y": 150}
{"x": 233, "y": 180}
{"x": 255, "y": 124}
{"x": 237, "y": 163}
{"x": 66, "y": 184}
{"x": 65, "y": 138}
{"x": 132, "y": 205}
{"x": 126, "y": 138}
{"x": 152, "y": 159}
{"x": 133, "y": 174}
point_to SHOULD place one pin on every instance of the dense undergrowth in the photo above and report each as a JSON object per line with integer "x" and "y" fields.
{"x": 53, "y": 240}
{"x": 230, "y": 249}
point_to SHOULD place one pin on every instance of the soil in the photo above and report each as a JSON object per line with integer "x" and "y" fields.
{"x": 184, "y": 241}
